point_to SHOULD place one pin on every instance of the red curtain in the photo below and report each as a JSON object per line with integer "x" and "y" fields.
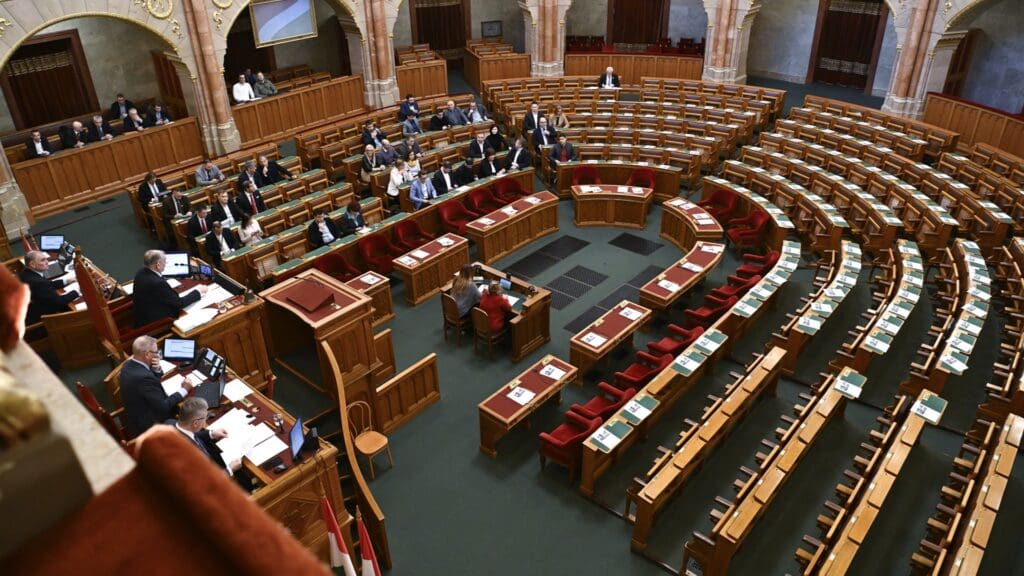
{"x": 847, "y": 41}
{"x": 637, "y": 21}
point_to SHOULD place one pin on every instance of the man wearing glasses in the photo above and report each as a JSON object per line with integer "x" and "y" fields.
{"x": 145, "y": 402}
{"x": 191, "y": 423}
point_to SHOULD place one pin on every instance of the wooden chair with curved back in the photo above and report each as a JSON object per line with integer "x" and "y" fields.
{"x": 367, "y": 441}
{"x": 482, "y": 331}
{"x": 452, "y": 319}
{"x": 106, "y": 419}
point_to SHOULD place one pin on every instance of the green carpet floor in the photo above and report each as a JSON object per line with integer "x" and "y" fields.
{"x": 452, "y": 510}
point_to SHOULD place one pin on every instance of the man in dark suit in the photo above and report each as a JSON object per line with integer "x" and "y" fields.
{"x": 100, "y": 130}
{"x": 372, "y": 135}
{"x": 490, "y": 166}
{"x": 45, "y": 299}
{"x": 562, "y": 151}
{"x": 153, "y": 297}
{"x": 119, "y": 109}
{"x": 191, "y": 424}
{"x": 219, "y": 242}
{"x": 478, "y": 147}
{"x": 438, "y": 121}
{"x": 74, "y": 137}
{"x": 532, "y": 118}
{"x": 157, "y": 115}
{"x": 37, "y": 146}
{"x": 410, "y": 146}
{"x": 518, "y": 157}
{"x": 453, "y": 116}
{"x": 409, "y": 108}
{"x": 133, "y": 122}
{"x": 322, "y": 230}
{"x": 145, "y": 402}
{"x": 387, "y": 154}
{"x": 443, "y": 179}
{"x": 270, "y": 172}
{"x": 251, "y": 201}
{"x": 225, "y": 210}
{"x": 247, "y": 175}
{"x": 609, "y": 79}
{"x": 198, "y": 226}
{"x": 544, "y": 135}
{"x": 464, "y": 174}
{"x": 152, "y": 188}
{"x": 177, "y": 206}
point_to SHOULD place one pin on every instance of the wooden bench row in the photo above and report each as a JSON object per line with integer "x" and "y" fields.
{"x": 904, "y": 144}
{"x": 1005, "y": 394}
{"x": 1001, "y": 162}
{"x": 677, "y": 166}
{"x": 613, "y": 128}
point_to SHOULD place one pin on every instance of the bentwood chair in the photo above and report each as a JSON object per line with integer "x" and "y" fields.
{"x": 367, "y": 441}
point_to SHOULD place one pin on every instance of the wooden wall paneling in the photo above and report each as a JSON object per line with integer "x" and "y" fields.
{"x": 976, "y": 123}
{"x": 406, "y": 394}
{"x": 386, "y": 355}
{"x": 292, "y": 112}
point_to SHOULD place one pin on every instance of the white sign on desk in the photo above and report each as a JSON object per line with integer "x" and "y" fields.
{"x": 485, "y": 221}
{"x": 421, "y": 254}
{"x": 605, "y": 438}
{"x": 712, "y": 248}
{"x": 692, "y": 267}
{"x": 369, "y": 279}
{"x": 521, "y": 395}
{"x": 668, "y": 285}
{"x": 531, "y": 200}
{"x": 630, "y": 313}
{"x": 637, "y": 410}
{"x": 552, "y": 371}
{"x": 592, "y": 339}
{"x": 445, "y": 241}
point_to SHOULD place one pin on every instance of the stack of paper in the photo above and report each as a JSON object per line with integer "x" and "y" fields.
{"x": 194, "y": 319}
{"x": 445, "y": 241}
{"x": 421, "y": 254}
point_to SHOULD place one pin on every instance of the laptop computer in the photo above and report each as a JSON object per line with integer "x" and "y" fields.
{"x": 211, "y": 391}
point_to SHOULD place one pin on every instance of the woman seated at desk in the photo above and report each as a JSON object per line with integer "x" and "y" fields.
{"x": 465, "y": 291}
{"x": 496, "y": 141}
{"x": 353, "y": 218}
{"x": 412, "y": 165}
{"x": 496, "y": 306}
{"x": 249, "y": 231}
{"x": 399, "y": 175}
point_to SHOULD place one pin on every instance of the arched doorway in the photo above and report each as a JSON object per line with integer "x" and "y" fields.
{"x": 986, "y": 66}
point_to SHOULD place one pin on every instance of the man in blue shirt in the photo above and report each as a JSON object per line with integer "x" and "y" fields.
{"x": 422, "y": 190}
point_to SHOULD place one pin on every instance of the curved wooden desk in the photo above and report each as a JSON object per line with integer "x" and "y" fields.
{"x": 507, "y": 229}
{"x": 612, "y": 205}
{"x": 683, "y": 223}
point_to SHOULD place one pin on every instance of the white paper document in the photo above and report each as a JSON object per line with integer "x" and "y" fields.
{"x": 407, "y": 260}
{"x": 421, "y": 254}
{"x": 485, "y": 221}
{"x": 235, "y": 390}
{"x": 445, "y": 241}
{"x": 668, "y": 285}
{"x": 173, "y": 283}
{"x": 521, "y": 395}
{"x": 592, "y": 339}
{"x": 637, "y": 410}
{"x": 369, "y": 279}
{"x": 532, "y": 200}
{"x": 692, "y": 267}
{"x": 172, "y": 384}
{"x": 266, "y": 450}
{"x": 196, "y": 318}
{"x": 605, "y": 438}
{"x": 552, "y": 371}
{"x": 630, "y": 313}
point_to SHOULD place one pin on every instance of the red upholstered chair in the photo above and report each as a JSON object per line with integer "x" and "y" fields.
{"x": 721, "y": 203}
{"x": 482, "y": 201}
{"x": 608, "y": 400}
{"x": 335, "y": 265}
{"x": 455, "y": 217}
{"x": 564, "y": 444}
{"x": 641, "y": 371}
{"x": 585, "y": 175}
{"x": 410, "y": 236}
{"x": 735, "y": 286}
{"x": 377, "y": 251}
{"x": 677, "y": 340}
{"x": 748, "y": 231}
{"x": 712, "y": 309}
{"x": 509, "y": 190}
{"x": 107, "y": 419}
{"x": 757, "y": 265}
{"x": 643, "y": 177}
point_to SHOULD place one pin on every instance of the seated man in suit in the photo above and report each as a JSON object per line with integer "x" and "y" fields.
{"x": 518, "y": 157}
{"x": 544, "y": 135}
{"x": 263, "y": 87}
{"x": 490, "y": 165}
{"x": 411, "y": 126}
{"x": 119, "y": 109}
{"x": 191, "y": 423}
{"x": 409, "y": 109}
{"x": 422, "y": 191}
{"x": 225, "y": 210}
{"x": 208, "y": 173}
{"x": 322, "y": 230}
{"x": 133, "y": 122}
{"x": 532, "y": 118}
{"x": 100, "y": 130}
{"x": 476, "y": 113}
{"x": 439, "y": 122}
{"x": 247, "y": 175}
{"x": 74, "y": 137}
{"x": 409, "y": 146}
{"x": 145, "y": 402}
{"x": 387, "y": 154}
{"x": 353, "y": 218}
{"x": 270, "y": 172}
{"x": 372, "y": 135}
{"x": 177, "y": 206}
{"x": 562, "y": 151}
{"x": 45, "y": 299}
{"x": 157, "y": 116}
{"x": 153, "y": 297}
{"x": 609, "y": 79}
{"x": 453, "y": 116}
{"x": 478, "y": 146}
{"x": 37, "y": 146}
{"x": 242, "y": 91}
{"x": 464, "y": 174}
{"x": 251, "y": 201}
{"x": 151, "y": 190}
{"x": 443, "y": 179}
{"x": 220, "y": 241}
{"x": 198, "y": 225}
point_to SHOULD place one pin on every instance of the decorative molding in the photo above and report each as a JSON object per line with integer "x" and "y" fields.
{"x": 223, "y": 4}
{"x": 175, "y": 27}
{"x": 159, "y": 9}
{"x": 4, "y": 23}
{"x": 218, "y": 19}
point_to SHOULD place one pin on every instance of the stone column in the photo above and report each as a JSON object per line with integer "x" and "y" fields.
{"x": 220, "y": 136}
{"x": 904, "y": 97}
{"x": 358, "y": 53}
{"x": 545, "y": 35}
{"x": 14, "y": 212}
{"x": 939, "y": 59}
{"x": 729, "y": 25}
{"x": 381, "y": 83}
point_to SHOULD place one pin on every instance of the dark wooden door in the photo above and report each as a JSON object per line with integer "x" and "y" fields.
{"x": 638, "y": 21}
{"x": 442, "y": 24}
{"x": 242, "y": 53}
{"x": 847, "y": 42}
{"x": 961, "y": 64}
{"x": 47, "y": 79}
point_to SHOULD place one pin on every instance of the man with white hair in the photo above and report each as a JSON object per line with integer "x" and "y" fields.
{"x": 45, "y": 299}
{"x": 609, "y": 79}
{"x": 145, "y": 402}
{"x": 74, "y": 137}
{"x": 153, "y": 297}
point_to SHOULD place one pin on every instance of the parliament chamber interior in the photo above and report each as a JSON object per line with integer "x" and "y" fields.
{"x": 567, "y": 287}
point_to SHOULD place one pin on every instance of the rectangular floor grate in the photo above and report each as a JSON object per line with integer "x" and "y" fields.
{"x": 584, "y": 320}
{"x": 563, "y": 247}
{"x": 531, "y": 265}
{"x": 645, "y": 276}
{"x": 635, "y": 244}
{"x": 568, "y": 286}
{"x": 623, "y": 293}
{"x": 559, "y": 300}
{"x": 586, "y": 275}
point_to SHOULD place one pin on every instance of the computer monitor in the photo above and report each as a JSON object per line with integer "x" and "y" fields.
{"x": 297, "y": 438}
{"x": 505, "y": 284}
{"x": 179, "y": 350}
{"x": 176, "y": 265}
{"x": 51, "y": 242}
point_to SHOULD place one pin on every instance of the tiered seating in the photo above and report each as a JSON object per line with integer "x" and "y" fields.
{"x": 847, "y": 522}
{"x": 665, "y": 289}
{"x": 959, "y": 532}
{"x": 937, "y": 139}
{"x": 1006, "y": 393}
{"x": 819, "y": 223}
{"x": 683, "y": 223}
{"x": 902, "y": 143}
{"x": 1001, "y": 162}
{"x": 898, "y": 288}
{"x": 429, "y": 162}
{"x": 675, "y": 466}
{"x": 671, "y": 167}
{"x": 668, "y": 386}
{"x": 986, "y": 184}
{"x": 961, "y": 305}
{"x": 776, "y": 97}
{"x": 836, "y": 275}
{"x": 756, "y": 488}
{"x": 749, "y": 202}
{"x": 653, "y": 140}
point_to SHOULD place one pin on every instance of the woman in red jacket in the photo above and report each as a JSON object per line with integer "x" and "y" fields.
{"x": 496, "y": 306}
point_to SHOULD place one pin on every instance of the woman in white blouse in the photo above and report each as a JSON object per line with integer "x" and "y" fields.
{"x": 412, "y": 165}
{"x": 249, "y": 232}
{"x": 399, "y": 176}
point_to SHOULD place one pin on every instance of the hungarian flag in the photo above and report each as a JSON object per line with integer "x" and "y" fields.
{"x": 370, "y": 567}
{"x": 339, "y": 555}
